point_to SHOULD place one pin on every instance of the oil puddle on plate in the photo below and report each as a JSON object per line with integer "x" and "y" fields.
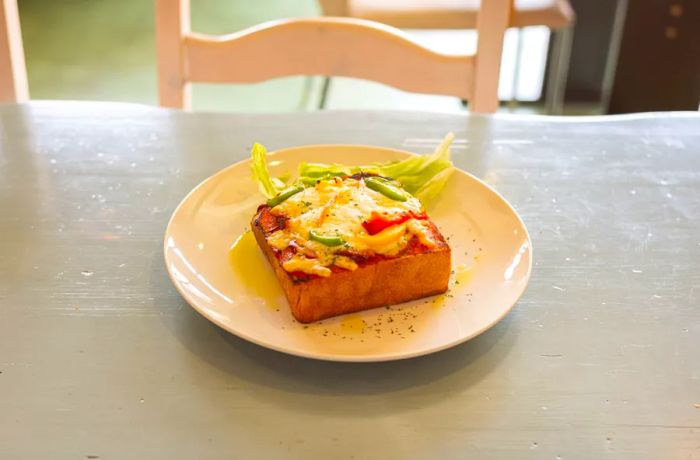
{"x": 397, "y": 321}
{"x": 252, "y": 268}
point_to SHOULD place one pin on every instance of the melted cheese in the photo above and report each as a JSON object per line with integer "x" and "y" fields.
{"x": 300, "y": 263}
{"x": 421, "y": 230}
{"x": 338, "y": 208}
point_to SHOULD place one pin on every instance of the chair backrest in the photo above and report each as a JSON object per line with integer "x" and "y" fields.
{"x": 13, "y": 73}
{"x": 326, "y": 46}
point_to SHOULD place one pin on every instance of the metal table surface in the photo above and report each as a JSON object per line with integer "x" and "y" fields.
{"x": 101, "y": 358}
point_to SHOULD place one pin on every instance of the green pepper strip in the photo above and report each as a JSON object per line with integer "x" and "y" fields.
{"x": 274, "y": 201}
{"x": 327, "y": 240}
{"x": 308, "y": 181}
{"x": 311, "y": 181}
{"x": 386, "y": 189}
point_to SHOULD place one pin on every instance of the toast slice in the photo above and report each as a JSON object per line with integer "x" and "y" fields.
{"x": 350, "y": 244}
{"x": 378, "y": 281}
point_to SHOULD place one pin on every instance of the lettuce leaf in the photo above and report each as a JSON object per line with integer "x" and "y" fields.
{"x": 416, "y": 172}
{"x": 431, "y": 189}
{"x": 321, "y": 170}
{"x": 424, "y": 176}
{"x": 261, "y": 174}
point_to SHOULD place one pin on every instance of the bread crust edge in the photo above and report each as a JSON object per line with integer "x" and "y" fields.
{"x": 378, "y": 284}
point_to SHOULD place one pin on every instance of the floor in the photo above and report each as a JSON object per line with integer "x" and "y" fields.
{"x": 105, "y": 50}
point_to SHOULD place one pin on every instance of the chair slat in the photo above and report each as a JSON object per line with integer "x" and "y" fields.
{"x": 330, "y": 47}
{"x": 13, "y": 71}
{"x": 326, "y": 46}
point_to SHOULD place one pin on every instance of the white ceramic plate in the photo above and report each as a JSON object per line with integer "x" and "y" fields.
{"x": 237, "y": 290}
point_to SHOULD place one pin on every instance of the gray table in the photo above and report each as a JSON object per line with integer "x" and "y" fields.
{"x": 100, "y": 357}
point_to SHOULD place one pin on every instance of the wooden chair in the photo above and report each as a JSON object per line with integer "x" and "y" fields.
{"x": 13, "y": 73}
{"x": 326, "y": 46}
{"x": 557, "y": 15}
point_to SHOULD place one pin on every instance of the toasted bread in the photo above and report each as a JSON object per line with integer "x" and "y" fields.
{"x": 378, "y": 280}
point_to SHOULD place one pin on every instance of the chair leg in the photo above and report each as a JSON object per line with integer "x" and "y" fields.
{"x": 306, "y": 92}
{"x": 324, "y": 92}
{"x": 13, "y": 71}
{"x": 558, "y": 70}
{"x": 513, "y": 102}
{"x": 613, "y": 55}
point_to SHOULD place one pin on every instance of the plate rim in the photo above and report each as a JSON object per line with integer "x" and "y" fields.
{"x": 384, "y": 357}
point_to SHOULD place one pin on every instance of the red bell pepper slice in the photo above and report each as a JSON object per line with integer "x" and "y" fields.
{"x": 378, "y": 222}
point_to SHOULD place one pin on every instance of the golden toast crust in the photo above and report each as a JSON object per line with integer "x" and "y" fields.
{"x": 374, "y": 284}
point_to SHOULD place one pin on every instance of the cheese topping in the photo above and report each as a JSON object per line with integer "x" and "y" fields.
{"x": 336, "y": 210}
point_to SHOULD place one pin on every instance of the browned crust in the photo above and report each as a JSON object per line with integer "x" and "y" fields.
{"x": 376, "y": 283}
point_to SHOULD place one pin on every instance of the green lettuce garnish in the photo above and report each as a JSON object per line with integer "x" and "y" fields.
{"x": 424, "y": 176}
{"x": 261, "y": 174}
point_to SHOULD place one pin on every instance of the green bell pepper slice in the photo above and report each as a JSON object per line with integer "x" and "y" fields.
{"x": 386, "y": 189}
{"x": 324, "y": 239}
{"x": 284, "y": 195}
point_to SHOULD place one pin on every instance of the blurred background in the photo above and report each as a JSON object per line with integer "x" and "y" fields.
{"x": 641, "y": 55}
